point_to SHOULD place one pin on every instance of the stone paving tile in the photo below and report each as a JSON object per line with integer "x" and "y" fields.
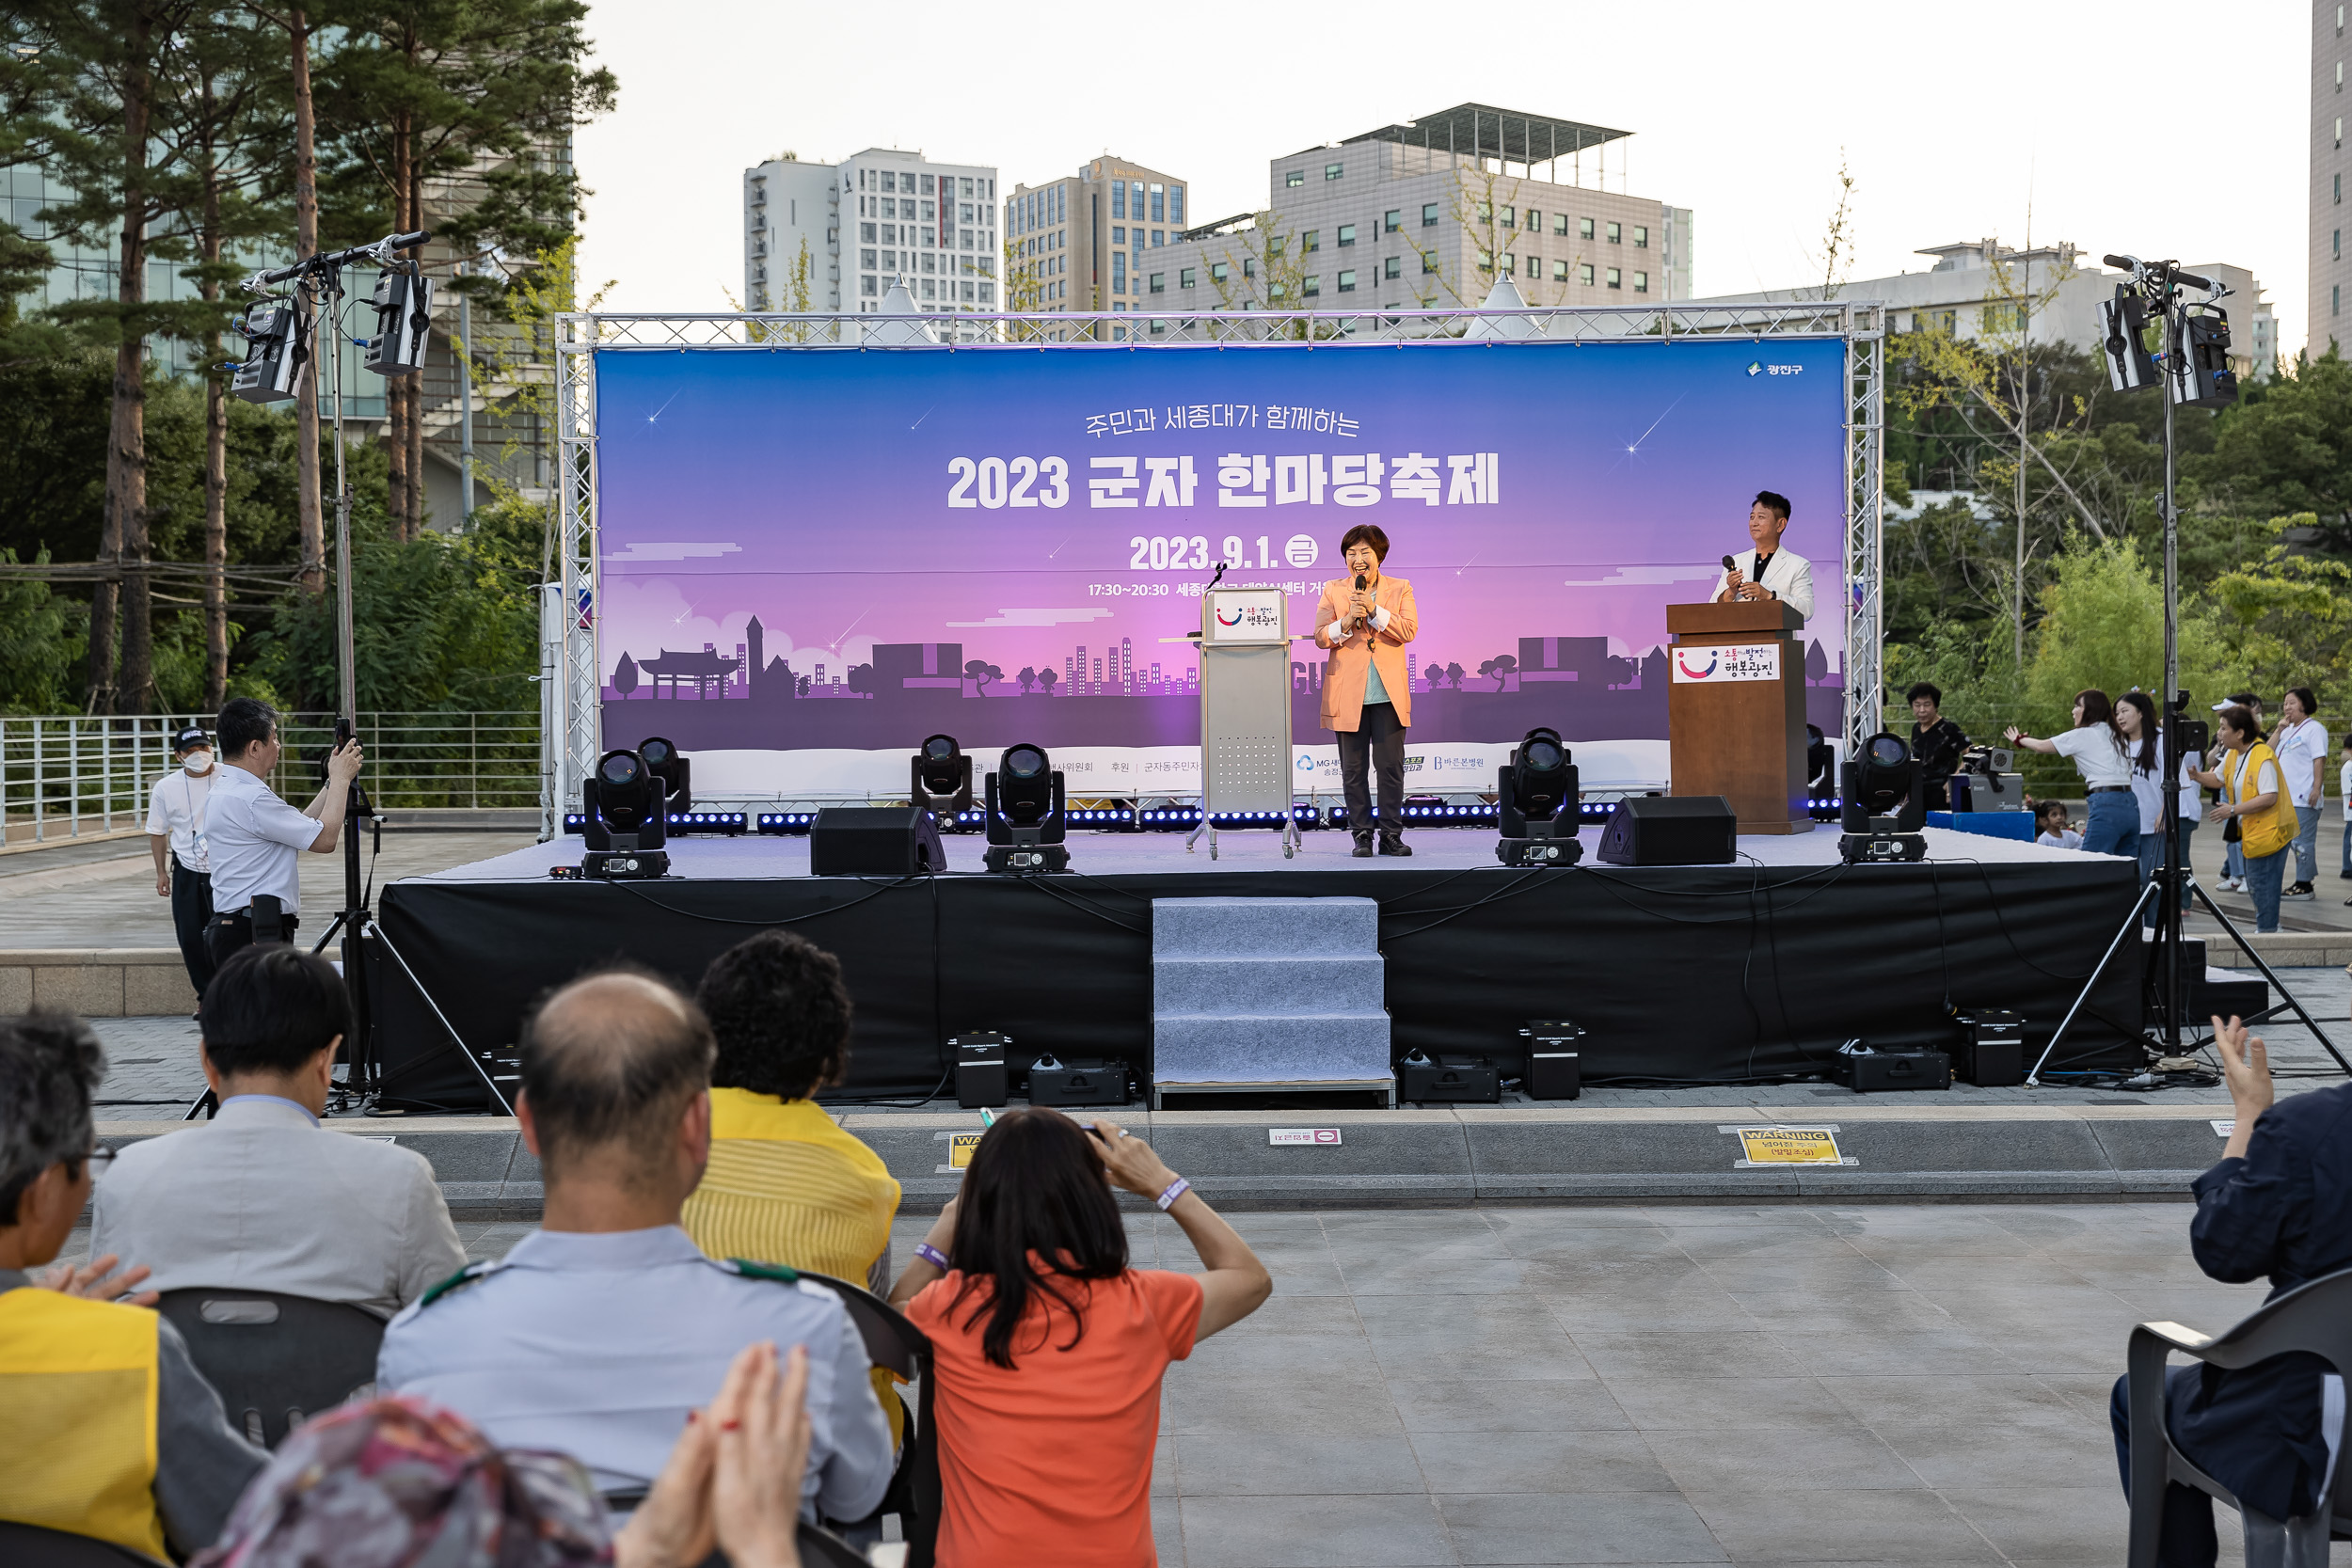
{"x": 1523, "y": 1385}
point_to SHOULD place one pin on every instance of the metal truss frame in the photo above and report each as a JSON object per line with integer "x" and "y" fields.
{"x": 568, "y": 692}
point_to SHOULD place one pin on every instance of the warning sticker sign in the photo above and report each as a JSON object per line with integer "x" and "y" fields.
{"x": 1788, "y": 1146}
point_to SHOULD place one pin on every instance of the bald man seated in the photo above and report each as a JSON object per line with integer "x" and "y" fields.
{"x": 602, "y": 1329}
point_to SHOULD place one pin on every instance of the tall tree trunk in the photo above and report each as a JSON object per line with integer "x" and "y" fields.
{"x": 215, "y": 447}
{"x": 312, "y": 520}
{"x": 416, "y": 452}
{"x": 124, "y": 544}
{"x": 397, "y": 411}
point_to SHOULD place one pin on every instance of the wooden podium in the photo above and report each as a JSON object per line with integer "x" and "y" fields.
{"x": 1734, "y": 710}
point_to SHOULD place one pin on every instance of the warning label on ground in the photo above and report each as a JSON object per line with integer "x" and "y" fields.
{"x": 1788, "y": 1146}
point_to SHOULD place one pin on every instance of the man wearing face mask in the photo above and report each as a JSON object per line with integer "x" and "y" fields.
{"x": 177, "y": 813}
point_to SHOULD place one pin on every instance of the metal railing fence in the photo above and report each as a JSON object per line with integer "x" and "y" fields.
{"x": 70, "y": 775}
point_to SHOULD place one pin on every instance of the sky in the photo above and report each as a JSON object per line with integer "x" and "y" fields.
{"x": 1954, "y": 123}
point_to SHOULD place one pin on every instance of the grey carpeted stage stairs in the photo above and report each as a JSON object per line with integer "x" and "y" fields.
{"x": 1263, "y": 993}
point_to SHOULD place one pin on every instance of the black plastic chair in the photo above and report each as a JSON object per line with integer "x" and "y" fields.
{"x": 275, "y": 1358}
{"x": 2314, "y": 1318}
{"x": 36, "y": 1547}
{"x": 894, "y": 1343}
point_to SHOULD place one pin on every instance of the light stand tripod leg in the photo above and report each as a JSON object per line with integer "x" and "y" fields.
{"x": 2248, "y": 948}
{"x": 463, "y": 1050}
{"x": 2130, "y": 928}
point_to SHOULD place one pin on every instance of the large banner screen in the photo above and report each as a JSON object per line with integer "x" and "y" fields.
{"x": 810, "y": 559}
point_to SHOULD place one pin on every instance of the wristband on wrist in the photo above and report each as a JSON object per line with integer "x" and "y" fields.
{"x": 1176, "y": 1188}
{"x": 932, "y": 1256}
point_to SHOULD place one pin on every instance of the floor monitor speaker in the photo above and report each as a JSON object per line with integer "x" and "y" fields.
{"x": 1670, "y": 830}
{"x": 875, "y": 841}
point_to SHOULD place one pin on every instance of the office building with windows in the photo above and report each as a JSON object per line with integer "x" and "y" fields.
{"x": 2331, "y": 288}
{"x": 881, "y": 216}
{"x": 1087, "y": 241}
{"x": 1428, "y": 214}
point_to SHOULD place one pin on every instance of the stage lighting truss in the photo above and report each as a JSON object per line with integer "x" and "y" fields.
{"x": 581, "y": 338}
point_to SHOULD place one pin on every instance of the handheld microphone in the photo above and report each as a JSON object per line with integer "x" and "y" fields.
{"x": 1359, "y": 583}
{"x": 1729, "y": 565}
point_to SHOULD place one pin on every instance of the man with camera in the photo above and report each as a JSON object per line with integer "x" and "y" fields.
{"x": 256, "y": 837}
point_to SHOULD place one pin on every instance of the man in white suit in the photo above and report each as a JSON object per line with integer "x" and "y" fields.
{"x": 1767, "y": 571}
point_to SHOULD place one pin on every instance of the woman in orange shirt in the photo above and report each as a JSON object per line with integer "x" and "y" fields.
{"x": 1049, "y": 1349}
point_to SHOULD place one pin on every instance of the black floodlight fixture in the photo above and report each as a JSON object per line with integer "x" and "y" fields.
{"x": 278, "y": 348}
{"x": 1026, "y": 812}
{"x": 624, "y": 819}
{"x": 673, "y": 768}
{"x": 1885, "y": 802}
{"x": 403, "y": 320}
{"x": 1535, "y": 802}
{"x": 941, "y": 780}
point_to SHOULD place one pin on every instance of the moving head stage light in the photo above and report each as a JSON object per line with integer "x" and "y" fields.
{"x": 403, "y": 320}
{"x": 1026, "y": 819}
{"x": 1885, "y": 802}
{"x": 673, "y": 768}
{"x": 278, "y": 346}
{"x": 940, "y": 779}
{"x": 1536, "y": 803}
{"x": 624, "y": 811}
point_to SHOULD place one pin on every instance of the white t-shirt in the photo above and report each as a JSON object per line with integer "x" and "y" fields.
{"x": 256, "y": 840}
{"x": 2070, "y": 839}
{"x": 2343, "y": 788}
{"x": 2150, "y": 794}
{"x": 178, "y": 809}
{"x": 2299, "y": 746}
{"x": 2097, "y": 754}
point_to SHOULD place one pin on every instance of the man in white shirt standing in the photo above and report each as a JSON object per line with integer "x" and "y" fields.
{"x": 1767, "y": 571}
{"x": 176, "y": 821}
{"x": 254, "y": 837}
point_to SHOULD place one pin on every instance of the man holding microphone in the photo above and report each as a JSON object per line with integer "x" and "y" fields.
{"x": 255, "y": 837}
{"x": 1765, "y": 571}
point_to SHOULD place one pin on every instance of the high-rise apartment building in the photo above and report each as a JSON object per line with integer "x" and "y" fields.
{"x": 836, "y": 236}
{"x": 1087, "y": 241}
{"x": 1428, "y": 214}
{"x": 2329, "y": 276}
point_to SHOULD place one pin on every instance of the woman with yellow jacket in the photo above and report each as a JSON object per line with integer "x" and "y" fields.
{"x": 786, "y": 1185}
{"x": 2254, "y": 808}
{"x": 1365, "y": 620}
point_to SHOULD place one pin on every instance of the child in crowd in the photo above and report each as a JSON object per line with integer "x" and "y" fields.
{"x": 2050, "y": 817}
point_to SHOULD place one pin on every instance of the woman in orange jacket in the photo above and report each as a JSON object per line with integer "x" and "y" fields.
{"x": 1365, "y": 620}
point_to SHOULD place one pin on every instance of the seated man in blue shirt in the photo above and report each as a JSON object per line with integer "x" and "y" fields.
{"x": 2279, "y": 1204}
{"x": 600, "y": 1331}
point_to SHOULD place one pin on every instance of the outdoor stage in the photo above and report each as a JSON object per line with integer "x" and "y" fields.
{"x": 1681, "y": 975}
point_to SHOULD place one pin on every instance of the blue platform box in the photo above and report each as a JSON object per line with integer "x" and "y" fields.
{"x": 1991, "y": 824}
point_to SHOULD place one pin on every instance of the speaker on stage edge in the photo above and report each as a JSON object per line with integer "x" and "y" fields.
{"x": 875, "y": 841}
{"x": 1670, "y": 830}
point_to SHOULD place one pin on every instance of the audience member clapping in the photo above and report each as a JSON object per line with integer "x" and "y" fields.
{"x": 263, "y": 1197}
{"x": 404, "y": 1483}
{"x": 106, "y": 1428}
{"x": 598, "y": 1332}
{"x": 1049, "y": 1348}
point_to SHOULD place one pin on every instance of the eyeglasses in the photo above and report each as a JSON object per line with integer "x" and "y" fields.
{"x": 98, "y": 1162}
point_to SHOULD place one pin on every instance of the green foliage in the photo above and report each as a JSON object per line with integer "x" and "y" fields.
{"x": 442, "y": 624}
{"x": 43, "y": 641}
{"x": 2285, "y": 447}
{"x": 2283, "y": 621}
{"x": 2102, "y": 627}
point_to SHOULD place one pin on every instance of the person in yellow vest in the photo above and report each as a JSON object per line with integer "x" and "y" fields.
{"x": 2256, "y": 808}
{"x": 786, "y": 1185}
{"x": 110, "y": 1429}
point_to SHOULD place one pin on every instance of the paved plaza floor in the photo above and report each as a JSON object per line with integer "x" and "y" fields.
{"x": 1757, "y": 1386}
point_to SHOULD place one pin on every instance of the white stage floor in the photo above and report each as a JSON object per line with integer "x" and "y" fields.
{"x": 1117, "y": 854}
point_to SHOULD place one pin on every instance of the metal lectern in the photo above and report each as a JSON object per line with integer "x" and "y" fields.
{"x": 1245, "y": 711}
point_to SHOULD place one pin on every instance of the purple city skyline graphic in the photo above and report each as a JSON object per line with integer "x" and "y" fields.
{"x": 832, "y": 549}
